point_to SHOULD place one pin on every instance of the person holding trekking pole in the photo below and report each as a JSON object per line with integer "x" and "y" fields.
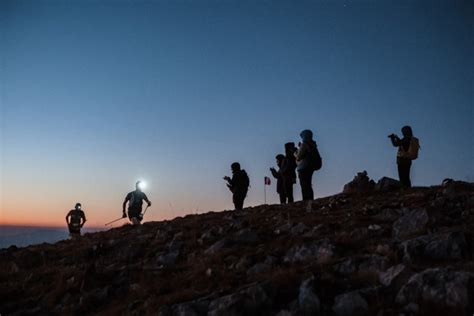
{"x": 135, "y": 202}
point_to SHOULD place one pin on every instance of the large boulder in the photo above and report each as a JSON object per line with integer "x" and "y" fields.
{"x": 452, "y": 188}
{"x": 447, "y": 246}
{"x": 193, "y": 308}
{"x": 366, "y": 263}
{"x": 442, "y": 289}
{"x": 395, "y": 277}
{"x": 360, "y": 183}
{"x": 411, "y": 223}
{"x": 250, "y": 301}
{"x": 387, "y": 184}
{"x": 245, "y": 236}
{"x": 308, "y": 301}
{"x": 350, "y": 304}
{"x": 217, "y": 246}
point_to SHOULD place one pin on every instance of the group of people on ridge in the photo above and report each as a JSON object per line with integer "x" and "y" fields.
{"x": 304, "y": 161}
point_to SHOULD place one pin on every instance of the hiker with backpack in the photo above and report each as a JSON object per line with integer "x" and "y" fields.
{"x": 408, "y": 148}
{"x": 238, "y": 185}
{"x": 75, "y": 219}
{"x": 308, "y": 160}
{"x": 135, "y": 202}
{"x": 288, "y": 172}
{"x": 279, "y": 176}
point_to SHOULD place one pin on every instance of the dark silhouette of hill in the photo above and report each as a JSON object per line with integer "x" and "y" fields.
{"x": 366, "y": 253}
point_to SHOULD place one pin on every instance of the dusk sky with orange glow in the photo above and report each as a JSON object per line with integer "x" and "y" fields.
{"x": 96, "y": 95}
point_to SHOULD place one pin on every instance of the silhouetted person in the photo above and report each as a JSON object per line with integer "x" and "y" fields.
{"x": 306, "y": 161}
{"x": 135, "y": 202}
{"x": 238, "y": 185}
{"x": 279, "y": 176}
{"x": 288, "y": 172}
{"x": 408, "y": 148}
{"x": 75, "y": 219}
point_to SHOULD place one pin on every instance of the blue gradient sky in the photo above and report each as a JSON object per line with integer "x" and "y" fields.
{"x": 96, "y": 94}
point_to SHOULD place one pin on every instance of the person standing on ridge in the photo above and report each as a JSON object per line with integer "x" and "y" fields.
{"x": 135, "y": 202}
{"x": 75, "y": 219}
{"x": 238, "y": 185}
{"x": 408, "y": 148}
{"x": 279, "y": 176}
{"x": 308, "y": 160}
{"x": 288, "y": 171}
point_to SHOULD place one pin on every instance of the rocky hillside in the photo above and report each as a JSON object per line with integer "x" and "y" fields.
{"x": 372, "y": 253}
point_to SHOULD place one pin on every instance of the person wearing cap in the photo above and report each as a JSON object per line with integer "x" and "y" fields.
{"x": 135, "y": 202}
{"x": 75, "y": 219}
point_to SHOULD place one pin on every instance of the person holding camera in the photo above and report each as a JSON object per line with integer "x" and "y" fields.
{"x": 238, "y": 185}
{"x": 408, "y": 148}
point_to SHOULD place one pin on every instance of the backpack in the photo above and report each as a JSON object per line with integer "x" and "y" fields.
{"x": 316, "y": 162}
{"x": 412, "y": 152}
{"x": 246, "y": 180}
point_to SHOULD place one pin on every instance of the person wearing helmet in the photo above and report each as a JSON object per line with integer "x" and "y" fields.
{"x": 75, "y": 219}
{"x": 135, "y": 202}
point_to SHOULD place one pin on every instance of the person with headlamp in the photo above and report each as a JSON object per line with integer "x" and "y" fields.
{"x": 75, "y": 219}
{"x": 135, "y": 202}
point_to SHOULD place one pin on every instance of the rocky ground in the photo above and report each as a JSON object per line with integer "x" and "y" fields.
{"x": 370, "y": 253}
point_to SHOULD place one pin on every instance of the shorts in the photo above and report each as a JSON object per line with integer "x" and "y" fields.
{"x": 134, "y": 214}
{"x": 74, "y": 230}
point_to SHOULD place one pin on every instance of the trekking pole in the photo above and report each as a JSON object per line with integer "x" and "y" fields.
{"x": 115, "y": 220}
{"x": 143, "y": 214}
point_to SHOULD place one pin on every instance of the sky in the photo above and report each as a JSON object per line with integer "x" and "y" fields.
{"x": 96, "y": 95}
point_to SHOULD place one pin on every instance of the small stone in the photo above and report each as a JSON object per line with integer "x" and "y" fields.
{"x": 395, "y": 276}
{"x": 245, "y": 236}
{"x": 217, "y": 246}
{"x": 258, "y": 268}
{"x": 321, "y": 250}
{"x": 375, "y": 227}
{"x": 299, "y": 229}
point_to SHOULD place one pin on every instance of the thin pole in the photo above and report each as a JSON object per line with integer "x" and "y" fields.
{"x": 145, "y": 211}
{"x": 265, "y": 192}
{"x": 115, "y": 220}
